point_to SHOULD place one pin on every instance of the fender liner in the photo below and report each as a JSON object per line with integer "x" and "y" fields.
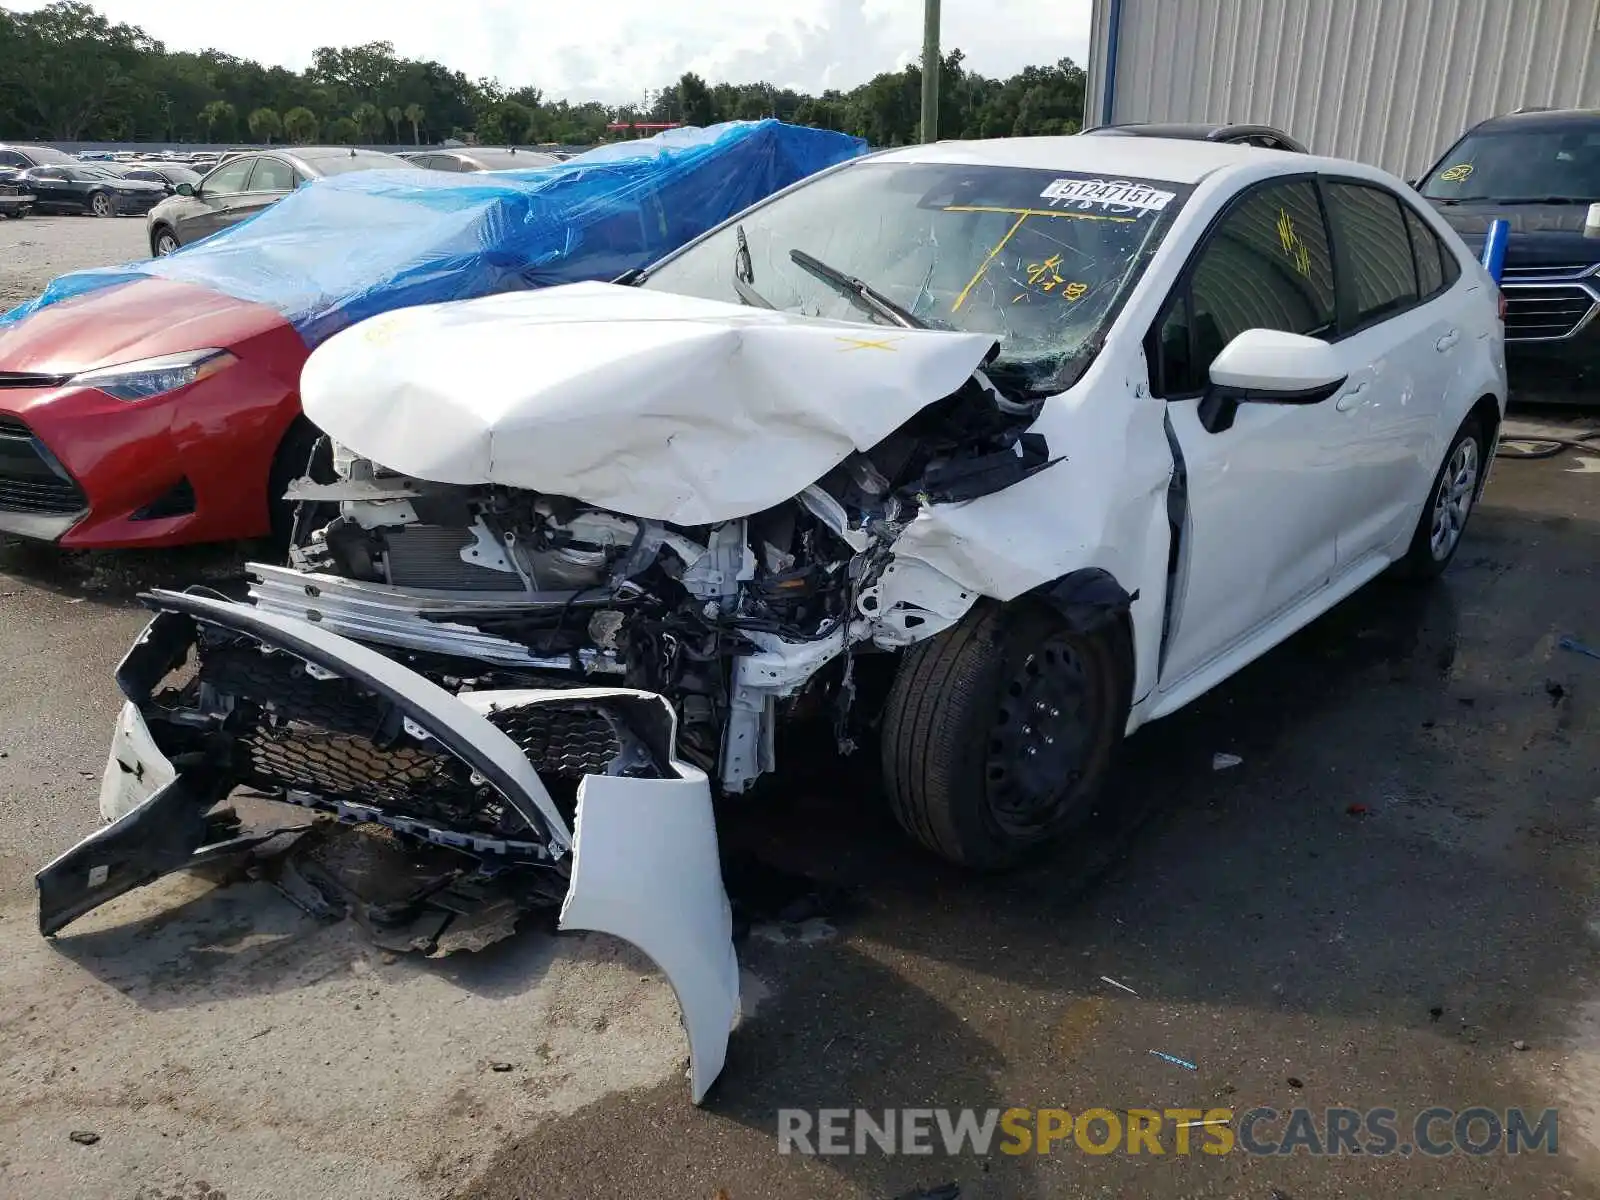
{"x": 1092, "y": 601}
{"x": 1090, "y": 598}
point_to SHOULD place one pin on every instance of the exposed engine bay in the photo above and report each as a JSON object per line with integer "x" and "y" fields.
{"x": 494, "y": 586}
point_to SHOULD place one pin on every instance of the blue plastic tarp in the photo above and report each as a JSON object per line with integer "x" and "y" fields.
{"x": 349, "y": 246}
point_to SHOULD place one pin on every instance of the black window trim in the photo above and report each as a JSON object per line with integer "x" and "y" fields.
{"x": 1180, "y": 289}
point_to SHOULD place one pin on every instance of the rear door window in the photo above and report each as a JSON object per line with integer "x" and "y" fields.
{"x": 272, "y": 175}
{"x": 1379, "y": 279}
{"x": 1429, "y": 253}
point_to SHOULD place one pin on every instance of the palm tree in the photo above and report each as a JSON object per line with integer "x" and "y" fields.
{"x": 215, "y": 113}
{"x": 368, "y": 119}
{"x": 394, "y": 114}
{"x": 414, "y": 114}
{"x": 265, "y": 123}
{"x": 300, "y": 125}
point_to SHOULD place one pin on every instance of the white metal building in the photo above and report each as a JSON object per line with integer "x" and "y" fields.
{"x": 1389, "y": 82}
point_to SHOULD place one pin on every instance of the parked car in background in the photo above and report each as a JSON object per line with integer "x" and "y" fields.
{"x": 481, "y": 158}
{"x": 1540, "y": 170}
{"x": 167, "y": 174}
{"x": 1265, "y": 136}
{"x": 16, "y": 194}
{"x": 91, "y": 188}
{"x": 158, "y": 403}
{"x": 249, "y": 182}
{"x": 23, "y": 156}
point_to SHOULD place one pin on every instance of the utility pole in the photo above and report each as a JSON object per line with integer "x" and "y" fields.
{"x": 930, "y": 71}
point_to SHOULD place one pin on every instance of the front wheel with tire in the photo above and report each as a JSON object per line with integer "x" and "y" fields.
{"x": 1437, "y": 536}
{"x": 998, "y": 732}
{"x": 100, "y": 205}
{"x": 16, "y": 214}
{"x": 163, "y": 242}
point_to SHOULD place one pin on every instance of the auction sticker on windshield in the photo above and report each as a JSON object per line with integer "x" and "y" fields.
{"x": 1121, "y": 195}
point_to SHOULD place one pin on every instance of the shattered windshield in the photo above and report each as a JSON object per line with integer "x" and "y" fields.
{"x": 1548, "y": 166}
{"x": 1040, "y": 259}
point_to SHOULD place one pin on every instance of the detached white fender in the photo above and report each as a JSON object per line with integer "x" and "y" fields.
{"x": 645, "y": 869}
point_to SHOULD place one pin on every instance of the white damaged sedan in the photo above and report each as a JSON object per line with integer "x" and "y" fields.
{"x": 1051, "y": 434}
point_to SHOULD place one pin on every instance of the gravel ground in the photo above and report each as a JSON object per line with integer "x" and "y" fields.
{"x": 35, "y": 250}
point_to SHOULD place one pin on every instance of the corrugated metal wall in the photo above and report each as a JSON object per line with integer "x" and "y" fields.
{"x": 1389, "y": 82}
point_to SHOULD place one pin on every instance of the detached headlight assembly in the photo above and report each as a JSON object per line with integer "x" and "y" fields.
{"x": 154, "y": 376}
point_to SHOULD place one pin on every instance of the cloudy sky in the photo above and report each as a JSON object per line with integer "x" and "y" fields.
{"x": 614, "y": 49}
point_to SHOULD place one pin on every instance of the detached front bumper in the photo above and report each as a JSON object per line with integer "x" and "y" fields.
{"x": 315, "y": 720}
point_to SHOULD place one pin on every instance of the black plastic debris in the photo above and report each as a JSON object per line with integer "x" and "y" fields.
{"x": 945, "y": 1191}
{"x": 84, "y": 1137}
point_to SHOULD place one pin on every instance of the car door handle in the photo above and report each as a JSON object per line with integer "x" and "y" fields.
{"x": 1351, "y": 399}
{"x": 1448, "y": 340}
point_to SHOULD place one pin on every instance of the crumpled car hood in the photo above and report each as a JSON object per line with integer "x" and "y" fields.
{"x": 665, "y": 407}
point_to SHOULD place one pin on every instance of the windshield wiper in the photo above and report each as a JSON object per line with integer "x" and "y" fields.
{"x": 862, "y": 295}
{"x": 744, "y": 273}
{"x": 1544, "y": 200}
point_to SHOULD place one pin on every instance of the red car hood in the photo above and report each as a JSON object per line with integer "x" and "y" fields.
{"x": 128, "y": 322}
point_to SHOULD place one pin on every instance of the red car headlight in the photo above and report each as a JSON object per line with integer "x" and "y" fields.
{"x": 149, "y": 377}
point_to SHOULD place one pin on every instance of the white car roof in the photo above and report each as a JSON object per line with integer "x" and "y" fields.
{"x": 1174, "y": 160}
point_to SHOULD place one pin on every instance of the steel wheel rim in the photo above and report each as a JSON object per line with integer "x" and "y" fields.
{"x": 101, "y": 205}
{"x": 1042, "y": 738}
{"x": 165, "y": 245}
{"x": 1452, "y": 503}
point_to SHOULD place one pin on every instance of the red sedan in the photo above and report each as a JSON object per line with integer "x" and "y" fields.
{"x": 118, "y": 428}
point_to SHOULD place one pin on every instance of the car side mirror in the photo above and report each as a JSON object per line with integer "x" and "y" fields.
{"x": 185, "y": 189}
{"x": 1268, "y": 366}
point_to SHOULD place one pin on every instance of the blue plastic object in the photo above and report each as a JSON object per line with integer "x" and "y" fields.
{"x": 347, "y": 247}
{"x": 1494, "y": 246}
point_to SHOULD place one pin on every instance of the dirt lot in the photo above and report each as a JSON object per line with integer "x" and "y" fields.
{"x": 35, "y": 250}
{"x": 1396, "y": 888}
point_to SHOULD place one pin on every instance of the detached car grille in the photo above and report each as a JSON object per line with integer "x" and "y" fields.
{"x": 31, "y": 481}
{"x": 1547, "y": 312}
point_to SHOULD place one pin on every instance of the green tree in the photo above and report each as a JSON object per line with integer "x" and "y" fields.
{"x": 369, "y": 121}
{"x": 395, "y": 117}
{"x": 343, "y": 131}
{"x": 504, "y": 123}
{"x": 414, "y": 113}
{"x": 218, "y": 117}
{"x": 265, "y": 124}
{"x": 300, "y": 125}
{"x": 694, "y": 101}
{"x": 66, "y": 72}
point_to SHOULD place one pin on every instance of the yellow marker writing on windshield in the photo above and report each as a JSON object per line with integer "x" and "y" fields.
{"x": 984, "y": 266}
{"x": 1457, "y": 173}
{"x": 1044, "y": 275}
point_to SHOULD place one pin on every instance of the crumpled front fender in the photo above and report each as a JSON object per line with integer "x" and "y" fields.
{"x": 644, "y": 857}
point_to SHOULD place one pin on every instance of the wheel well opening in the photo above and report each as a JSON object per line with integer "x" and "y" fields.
{"x": 1487, "y": 411}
